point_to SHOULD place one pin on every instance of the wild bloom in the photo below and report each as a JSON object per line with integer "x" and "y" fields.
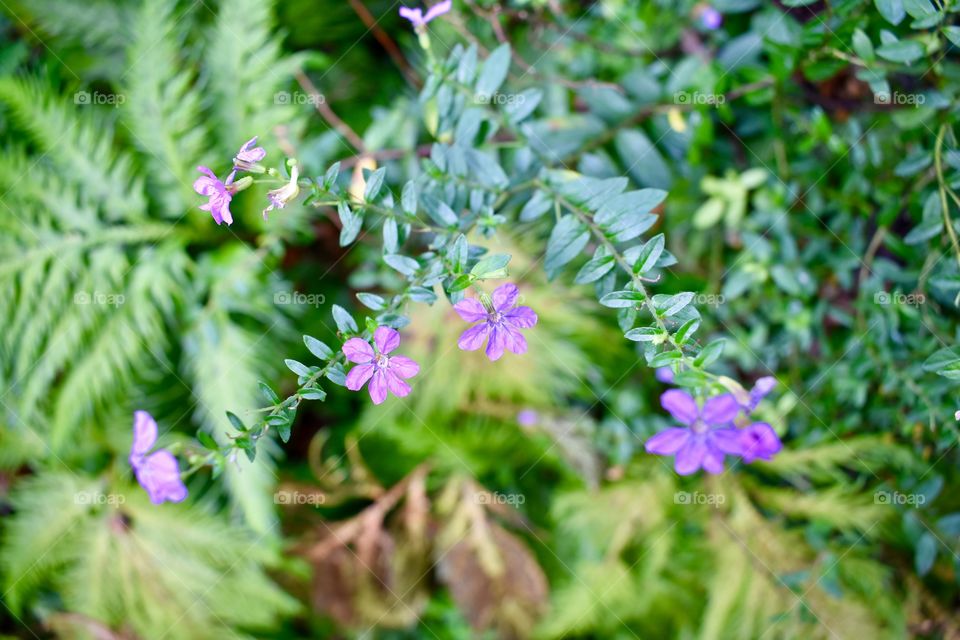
{"x": 760, "y": 389}
{"x": 287, "y": 193}
{"x": 420, "y": 20}
{"x": 759, "y": 440}
{"x": 500, "y": 323}
{"x": 375, "y": 365}
{"x": 157, "y": 472}
{"x": 705, "y": 439}
{"x": 664, "y": 375}
{"x": 219, "y": 193}
{"x": 248, "y": 156}
{"x": 710, "y": 18}
{"x": 528, "y": 418}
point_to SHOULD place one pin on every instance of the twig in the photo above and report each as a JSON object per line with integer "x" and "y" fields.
{"x": 324, "y": 110}
{"x": 386, "y": 42}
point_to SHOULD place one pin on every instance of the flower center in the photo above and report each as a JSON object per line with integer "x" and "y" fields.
{"x": 699, "y": 426}
{"x": 495, "y": 317}
{"x": 382, "y": 361}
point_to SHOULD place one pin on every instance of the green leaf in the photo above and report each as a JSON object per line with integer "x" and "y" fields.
{"x": 622, "y": 299}
{"x": 268, "y": 393}
{"x": 862, "y": 45}
{"x": 926, "y": 553}
{"x": 405, "y": 265}
{"x": 903, "y": 51}
{"x": 443, "y": 215}
{"x": 344, "y": 321}
{"x": 351, "y": 223}
{"x": 567, "y": 240}
{"x": 207, "y": 440}
{"x": 709, "y": 354}
{"x": 330, "y": 177}
{"x": 372, "y": 301}
{"x": 236, "y": 422}
{"x": 675, "y": 303}
{"x": 297, "y": 367}
{"x": 595, "y": 269}
{"x": 891, "y": 10}
{"x": 665, "y": 358}
{"x": 317, "y": 348}
{"x": 408, "y": 198}
{"x": 945, "y": 362}
{"x": 494, "y": 71}
{"x": 649, "y": 254}
{"x": 536, "y": 206}
{"x": 642, "y": 159}
{"x": 374, "y": 183}
{"x": 491, "y": 267}
{"x": 390, "y": 235}
{"x": 644, "y": 334}
{"x": 312, "y": 393}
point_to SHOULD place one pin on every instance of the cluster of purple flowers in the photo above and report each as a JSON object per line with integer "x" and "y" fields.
{"x": 710, "y": 433}
{"x": 499, "y": 323}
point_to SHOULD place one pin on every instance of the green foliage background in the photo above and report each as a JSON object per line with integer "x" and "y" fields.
{"x": 811, "y": 157}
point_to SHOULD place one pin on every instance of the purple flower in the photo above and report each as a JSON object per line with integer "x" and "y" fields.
{"x": 528, "y": 418}
{"x": 288, "y": 192}
{"x": 710, "y": 18}
{"x": 664, "y": 375}
{"x": 759, "y": 440}
{"x": 248, "y": 156}
{"x": 706, "y": 438}
{"x": 500, "y": 323}
{"x": 419, "y": 20}
{"x": 760, "y": 389}
{"x": 157, "y": 472}
{"x": 219, "y": 193}
{"x": 384, "y": 372}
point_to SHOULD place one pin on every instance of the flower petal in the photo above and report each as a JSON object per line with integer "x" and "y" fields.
{"x": 471, "y": 310}
{"x": 438, "y": 10}
{"x": 680, "y": 404}
{"x": 713, "y": 460}
{"x": 358, "y": 350}
{"x": 160, "y": 476}
{"x": 386, "y": 339}
{"x": 358, "y": 376}
{"x": 413, "y": 15}
{"x": 690, "y": 457}
{"x": 668, "y": 441}
{"x": 378, "y": 387}
{"x": 726, "y": 440}
{"x": 496, "y": 343}
{"x": 760, "y": 389}
{"x": 404, "y": 367}
{"x": 397, "y": 386}
{"x": 144, "y": 436}
{"x": 472, "y": 339}
{"x": 522, "y": 317}
{"x": 516, "y": 343}
{"x": 504, "y": 297}
{"x": 720, "y": 410}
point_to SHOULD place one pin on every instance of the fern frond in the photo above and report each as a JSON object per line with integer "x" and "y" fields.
{"x": 162, "y": 112}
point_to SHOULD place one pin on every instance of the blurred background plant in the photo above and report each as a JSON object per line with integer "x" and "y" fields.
{"x": 810, "y": 153}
